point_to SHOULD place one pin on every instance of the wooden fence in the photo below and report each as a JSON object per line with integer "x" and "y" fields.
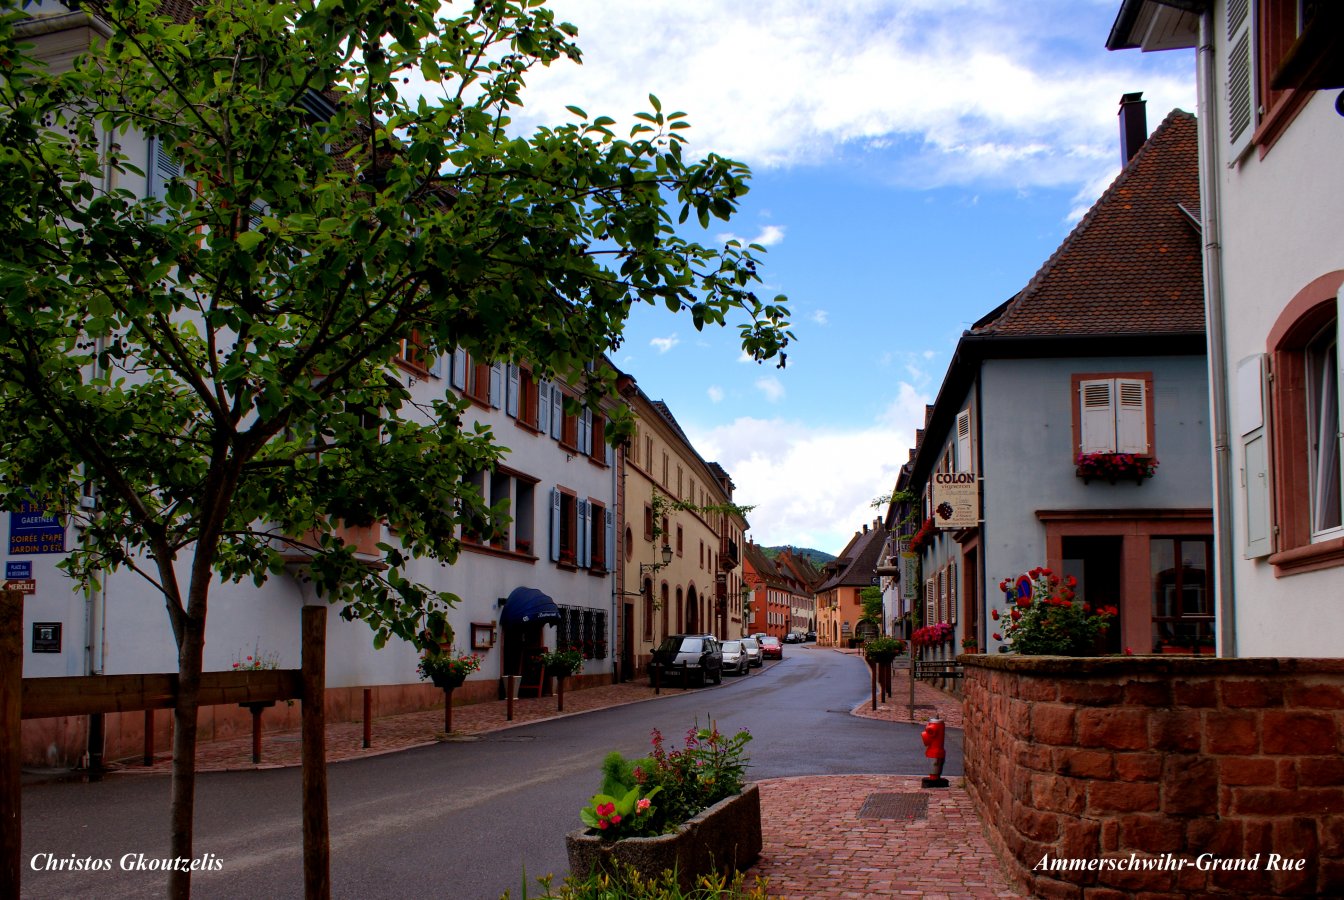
{"x": 36, "y": 698}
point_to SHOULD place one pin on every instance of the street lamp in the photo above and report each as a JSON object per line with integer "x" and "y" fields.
{"x": 650, "y": 568}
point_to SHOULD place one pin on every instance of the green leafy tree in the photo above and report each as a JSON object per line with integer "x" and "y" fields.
{"x": 217, "y": 359}
{"x": 870, "y": 600}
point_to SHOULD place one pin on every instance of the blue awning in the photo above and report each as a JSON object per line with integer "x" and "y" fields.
{"x": 527, "y": 605}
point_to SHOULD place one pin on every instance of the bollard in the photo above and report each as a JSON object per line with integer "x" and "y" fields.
{"x": 368, "y": 718}
{"x": 510, "y": 687}
{"x": 872, "y": 667}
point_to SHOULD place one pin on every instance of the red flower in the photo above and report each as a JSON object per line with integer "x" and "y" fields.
{"x": 603, "y": 824}
{"x": 994, "y": 614}
{"x": 1024, "y": 602}
{"x": 1015, "y": 613}
{"x": 997, "y": 636}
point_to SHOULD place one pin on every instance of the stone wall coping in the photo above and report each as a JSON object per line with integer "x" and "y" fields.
{"x": 1112, "y": 666}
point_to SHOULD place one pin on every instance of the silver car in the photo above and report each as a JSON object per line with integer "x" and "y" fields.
{"x": 735, "y": 659}
{"x": 753, "y": 651}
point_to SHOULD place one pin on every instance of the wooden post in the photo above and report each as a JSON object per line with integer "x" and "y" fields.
{"x": 96, "y": 742}
{"x": 872, "y": 668}
{"x": 256, "y": 732}
{"x": 316, "y": 835}
{"x": 368, "y": 718}
{"x": 559, "y": 693}
{"x": 149, "y": 737}
{"x": 11, "y": 747}
{"x": 913, "y": 651}
{"x": 510, "y": 684}
{"x": 657, "y": 680}
{"x": 448, "y": 710}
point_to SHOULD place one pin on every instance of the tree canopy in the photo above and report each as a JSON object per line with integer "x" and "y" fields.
{"x": 332, "y": 179}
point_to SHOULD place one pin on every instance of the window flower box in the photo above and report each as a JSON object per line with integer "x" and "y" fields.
{"x": 1115, "y": 467}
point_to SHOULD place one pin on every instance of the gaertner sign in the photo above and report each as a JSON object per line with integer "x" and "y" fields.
{"x": 956, "y": 500}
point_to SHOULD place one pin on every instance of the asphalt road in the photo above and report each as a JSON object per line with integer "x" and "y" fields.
{"x": 459, "y": 820}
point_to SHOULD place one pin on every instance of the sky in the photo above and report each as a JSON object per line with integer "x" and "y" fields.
{"x": 914, "y": 163}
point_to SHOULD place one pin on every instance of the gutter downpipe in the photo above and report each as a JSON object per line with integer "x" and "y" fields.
{"x": 1215, "y": 320}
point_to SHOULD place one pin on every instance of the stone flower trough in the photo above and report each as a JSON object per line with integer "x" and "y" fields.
{"x": 726, "y": 837}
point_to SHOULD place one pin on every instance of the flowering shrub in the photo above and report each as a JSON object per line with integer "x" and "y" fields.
{"x": 710, "y": 767}
{"x": 940, "y": 633}
{"x": 923, "y": 537}
{"x": 1114, "y": 466}
{"x": 1043, "y": 616}
{"x": 447, "y": 664}
{"x": 257, "y": 661}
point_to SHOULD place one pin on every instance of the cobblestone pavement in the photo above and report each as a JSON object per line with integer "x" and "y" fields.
{"x": 816, "y": 843}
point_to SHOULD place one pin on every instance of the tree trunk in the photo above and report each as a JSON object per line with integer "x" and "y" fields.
{"x": 185, "y": 716}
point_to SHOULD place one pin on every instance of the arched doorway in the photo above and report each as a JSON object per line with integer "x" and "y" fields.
{"x": 692, "y": 612}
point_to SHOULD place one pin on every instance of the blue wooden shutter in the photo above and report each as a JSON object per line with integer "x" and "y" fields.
{"x": 555, "y": 524}
{"x": 459, "y": 379}
{"x": 557, "y": 412}
{"x": 585, "y": 436}
{"x": 161, "y": 170}
{"x": 496, "y": 385}
{"x": 584, "y": 556}
{"x": 511, "y": 391}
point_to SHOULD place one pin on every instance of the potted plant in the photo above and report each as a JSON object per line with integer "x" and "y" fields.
{"x": 970, "y": 645}
{"x": 561, "y": 663}
{"x": 883, "y": 649}
{"x": 689, "y": 811}
{"x": 446, "y": 668}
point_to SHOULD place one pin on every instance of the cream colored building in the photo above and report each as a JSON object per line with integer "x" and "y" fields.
{"x": 680, "y": 539}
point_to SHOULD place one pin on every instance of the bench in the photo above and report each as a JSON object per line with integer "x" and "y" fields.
{"x": 937, "y": 668}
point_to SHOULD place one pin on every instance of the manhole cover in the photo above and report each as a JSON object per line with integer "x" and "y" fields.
{"x": 895, "y": 806}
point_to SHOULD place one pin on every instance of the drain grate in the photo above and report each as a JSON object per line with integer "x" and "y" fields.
{"x": 895, "y": 806}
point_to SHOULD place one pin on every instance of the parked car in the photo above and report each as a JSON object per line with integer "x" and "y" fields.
{"x": 735, "y": 659}
{"x": 793, "y": 637}
{"x": 771, "y": 648}
{"x": 811, "y": 636}
{"x": 753, "y": 648}
{"x": 693, "y": 658}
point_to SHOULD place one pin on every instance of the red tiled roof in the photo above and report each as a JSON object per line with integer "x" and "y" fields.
{"x": 1133, "y": 264}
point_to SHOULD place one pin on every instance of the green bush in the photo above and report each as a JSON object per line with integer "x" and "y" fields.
{"x": 627, "y": 884}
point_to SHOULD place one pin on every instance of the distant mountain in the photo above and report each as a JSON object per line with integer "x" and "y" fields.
{"x": 818, "y": 558}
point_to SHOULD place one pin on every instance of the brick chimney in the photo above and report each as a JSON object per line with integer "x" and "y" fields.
{"x": 1133, "y": 125}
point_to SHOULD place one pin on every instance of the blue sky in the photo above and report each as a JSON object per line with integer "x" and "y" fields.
{"x": 915, "y": 162}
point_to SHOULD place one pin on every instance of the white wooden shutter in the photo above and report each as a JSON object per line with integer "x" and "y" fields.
{"x": 1097, "y": 416}
{"x": 435, "y": 363}
{"x": 1240, "y": 52}
{"x": 952, "y": 592}
{"x": 1131, "y": 416}
{"x": 964, "y": 461}
{"x": 930, "y": 601}
{"x": 1251, "y": 425}
{"x": 585, "y": 432}
{"x": 555, "y": 524}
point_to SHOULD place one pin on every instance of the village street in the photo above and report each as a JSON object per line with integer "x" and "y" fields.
{"x": 461, "y": 819}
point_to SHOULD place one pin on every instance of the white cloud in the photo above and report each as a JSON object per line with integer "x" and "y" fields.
{"x": 771, "y": 387}
{"x": 664, "y": 344}
{"x": 821, "y": 317}
{"x": 959, "y": 91}
{"x": 814, "y": 487}
{"x": 715, "y": 393}
{"x": 768, "y": 236}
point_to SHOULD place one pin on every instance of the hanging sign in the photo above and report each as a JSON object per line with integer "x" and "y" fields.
{"x": 31, "y": 530}
{"x": 909, "y": 575}
{"x": 956, "y": 500}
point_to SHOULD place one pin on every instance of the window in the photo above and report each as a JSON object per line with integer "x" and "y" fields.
{"x": 648, "y": 609}
{"x": 679, "y": 541}
{"x": 1323, "y": 431}
{"x": 648, "y": 522}
{"x": 515, "y": 493}
{"x": 601, "y": 536}
{"x": 1302, "y": 494}
{"x": 565, "y": 527}
{"x": 597, "y": 438}
{"x": 569, "y": 424}
{"x": 1182, "y": 596}
{"x": 478, "y": 381}
{"x": 414, "y": 353}
{"x": 1113, "y": 413}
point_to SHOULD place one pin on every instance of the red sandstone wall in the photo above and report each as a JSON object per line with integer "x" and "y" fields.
{"x": 1162, "y": 758}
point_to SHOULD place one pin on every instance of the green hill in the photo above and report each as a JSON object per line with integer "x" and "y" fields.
{"x": 818, "y": 558}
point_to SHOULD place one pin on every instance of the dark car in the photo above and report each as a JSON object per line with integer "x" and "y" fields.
{"x": 810, "y": 636}
{"x": 771, "y": 648}
{"x": 692, "y": 658}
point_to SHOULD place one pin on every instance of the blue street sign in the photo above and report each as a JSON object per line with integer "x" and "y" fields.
{"x": 32, "y": 531}
{"x": 18, "y": 570}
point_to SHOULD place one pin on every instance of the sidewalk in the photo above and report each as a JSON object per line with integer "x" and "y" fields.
{"x": 836, "y": 836}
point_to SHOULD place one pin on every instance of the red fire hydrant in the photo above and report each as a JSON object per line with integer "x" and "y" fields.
{"x": 934, "y": 737}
